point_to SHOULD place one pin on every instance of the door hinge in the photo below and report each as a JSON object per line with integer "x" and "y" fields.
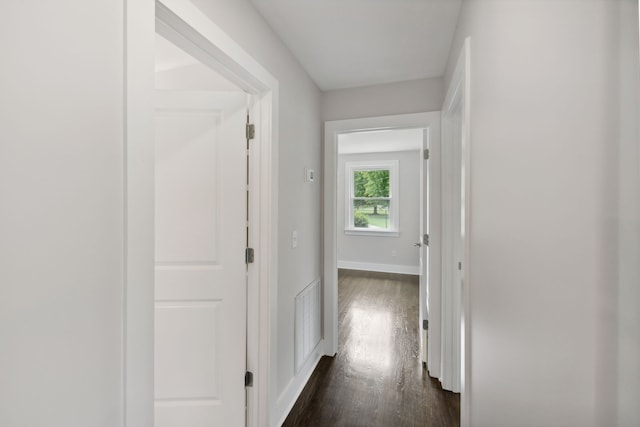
{"x": 248, "y": 256}
{"x": 248, "y": 379}
{"x": 426, "y": 154}
{"x": 425, "y": 239}
{"x": 251, "y": 131}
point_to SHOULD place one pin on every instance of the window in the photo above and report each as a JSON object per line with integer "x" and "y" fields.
{"x": 371, "y": 197}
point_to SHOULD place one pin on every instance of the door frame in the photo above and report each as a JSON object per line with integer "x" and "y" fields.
{"x": 332, "y": 130}
{"x": 184, "y": 24}
{"x": 457, "y": 305}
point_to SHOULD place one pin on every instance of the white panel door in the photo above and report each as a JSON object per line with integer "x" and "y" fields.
{"x": 200, "y": 283}
{"x": 424, "y": 247}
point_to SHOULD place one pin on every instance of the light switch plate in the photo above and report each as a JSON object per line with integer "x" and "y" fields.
{"x": 309, "y": 174}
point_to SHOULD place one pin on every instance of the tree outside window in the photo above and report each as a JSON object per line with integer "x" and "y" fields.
{"x": 371, "y": 204}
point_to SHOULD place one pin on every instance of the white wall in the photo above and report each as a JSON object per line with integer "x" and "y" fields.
{"x": 61, "y": 221}
{"x": 543, "y": 210}
{"x": 414, "y": 96}
{"x": 354, "y": 249}
{"x": 61, "y": 250}
{"x": 299, "y": 202}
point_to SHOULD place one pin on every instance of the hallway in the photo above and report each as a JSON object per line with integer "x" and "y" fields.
{"x": 376, "y": 379}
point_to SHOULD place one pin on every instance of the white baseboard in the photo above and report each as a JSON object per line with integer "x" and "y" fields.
{"x": 382, "y": 268}
{"x": 292, "y": 391}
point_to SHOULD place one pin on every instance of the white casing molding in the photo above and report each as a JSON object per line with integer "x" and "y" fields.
{"x": 138, "y": 183}
{"x": 455, "y": 319}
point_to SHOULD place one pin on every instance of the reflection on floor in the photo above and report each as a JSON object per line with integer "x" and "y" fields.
{"x": 377, "y": 378}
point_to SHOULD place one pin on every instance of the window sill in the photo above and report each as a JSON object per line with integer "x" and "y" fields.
{"x": 366, "y": 232}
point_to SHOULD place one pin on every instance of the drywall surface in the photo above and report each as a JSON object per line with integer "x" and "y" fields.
{"x": 390, "y": 251}
{"x": 414, "y": 96}
{"x": 61, "y": 221}
{"x": 299, "y": 201}
{"x": 543, "y": 201}
{"x": 628, "y": 316}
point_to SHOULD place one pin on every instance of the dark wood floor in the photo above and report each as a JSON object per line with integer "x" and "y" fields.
{"x": 377, "y": 378}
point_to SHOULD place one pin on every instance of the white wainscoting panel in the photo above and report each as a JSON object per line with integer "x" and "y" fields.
{"x": 308, "y": 323}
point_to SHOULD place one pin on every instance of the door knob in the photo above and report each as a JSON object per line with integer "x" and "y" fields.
{"x": 418, "y": 244}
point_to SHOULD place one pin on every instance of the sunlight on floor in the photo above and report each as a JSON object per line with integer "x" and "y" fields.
{"x": 372, "y": 334}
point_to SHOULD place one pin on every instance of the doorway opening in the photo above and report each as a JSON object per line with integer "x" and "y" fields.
{"x": 378, "y": 200}
{"x": 382, "y": 206}
{"x": 200, "y": 292}
{"x": 342, "y": 202}
{"x": 197, "y": 115}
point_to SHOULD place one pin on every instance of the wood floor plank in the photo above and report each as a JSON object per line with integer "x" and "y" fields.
{"x": 377, "y": 378}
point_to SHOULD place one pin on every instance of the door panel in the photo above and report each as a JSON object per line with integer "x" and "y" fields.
{"x": 200, "y": 286}
{"x": 187, "y": 179}
{"x": 187, "y": 353}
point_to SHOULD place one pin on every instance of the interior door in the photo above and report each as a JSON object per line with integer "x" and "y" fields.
{"x": 424, "y": 243}
{"x": 200, "y": 239}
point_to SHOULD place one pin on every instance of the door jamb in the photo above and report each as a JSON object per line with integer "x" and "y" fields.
{"x": 459, "y": 93}
{"x": 194, "y": 32}
{"x": 332, "y": 130}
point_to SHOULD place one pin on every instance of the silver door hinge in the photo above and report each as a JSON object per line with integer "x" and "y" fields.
{"x": 426, "y": 154}
{"x": 248, "y": 379}
{"x": 248, "y": 256}
{"x": 251, "y": 131}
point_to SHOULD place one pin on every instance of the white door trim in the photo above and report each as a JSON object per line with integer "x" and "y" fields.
{"x": 182, "y": 23}
{"x": 332, "y": 130}
{"x": 457, "y": 305}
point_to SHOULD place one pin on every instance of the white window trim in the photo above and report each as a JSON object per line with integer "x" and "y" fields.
{"x": 394, "y": 196}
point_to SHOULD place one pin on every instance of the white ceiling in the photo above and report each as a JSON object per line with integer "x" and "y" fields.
{"x": 350, "y": 43}
{"x": 380, "y": 141}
